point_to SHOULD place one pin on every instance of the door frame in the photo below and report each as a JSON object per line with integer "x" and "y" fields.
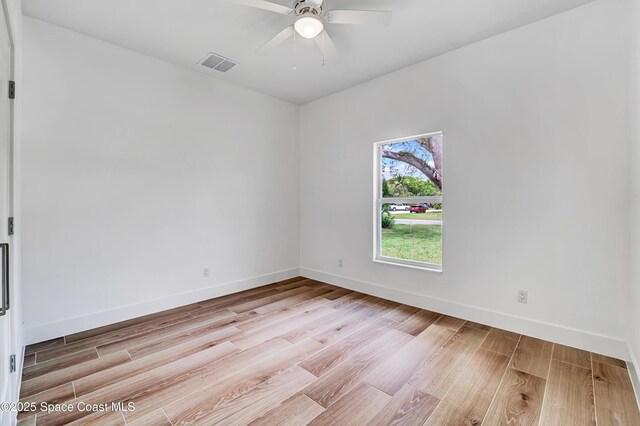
{"x": 11, "y": 12}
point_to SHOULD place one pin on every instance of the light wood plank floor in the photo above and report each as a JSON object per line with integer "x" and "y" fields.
{"x": 303, "y": 352}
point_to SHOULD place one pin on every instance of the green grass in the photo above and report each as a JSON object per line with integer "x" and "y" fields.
{"x": 420, "y": 243}
{"x": 422, "y": 216}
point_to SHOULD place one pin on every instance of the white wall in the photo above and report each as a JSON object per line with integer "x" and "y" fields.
{"x": 138, "y": 173}
{"x": 634, "y": 320}
{"x": 536, "y": 178}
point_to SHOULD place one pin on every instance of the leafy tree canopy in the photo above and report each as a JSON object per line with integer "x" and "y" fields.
{"x": 409, "y": 186}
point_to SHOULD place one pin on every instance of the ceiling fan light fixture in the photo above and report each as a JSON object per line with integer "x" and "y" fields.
{"x": 308, "y": 26}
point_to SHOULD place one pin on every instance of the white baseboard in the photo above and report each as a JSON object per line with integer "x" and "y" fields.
{"x": 632, "y": 365}
{"x": 582, "y": 339}
{"x": 40, "y": 333}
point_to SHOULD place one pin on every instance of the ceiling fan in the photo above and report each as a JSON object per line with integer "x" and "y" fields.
{"x": 310, "y": 20}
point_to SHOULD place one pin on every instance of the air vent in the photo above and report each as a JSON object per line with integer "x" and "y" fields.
{"x": 217, "y": 62}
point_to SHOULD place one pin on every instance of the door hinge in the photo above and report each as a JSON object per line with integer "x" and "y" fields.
{"x": 12, "y": 89}
{"x": 11, "y": 226}
{"x": 12, "y": 363}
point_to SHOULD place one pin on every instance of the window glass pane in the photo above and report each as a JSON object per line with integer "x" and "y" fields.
{"x": 414, "y": 235}
{"x": 412, "y": 167}
{"x": 417, "y": 213}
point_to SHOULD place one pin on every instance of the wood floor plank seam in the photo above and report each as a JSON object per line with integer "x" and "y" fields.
{"x": 243, "y": 410}
{"x": 570, "y": 395}
{"x": 32, "y": 388}
{"x": 181, "y": 328}
{"x": 357, "y": 407}
{"x": 294, "y": 411}
{"x": 409, "y": 360}
{"x": 145, "y": 319}
{"x": 328, "y": 358}
{"x": 544, "y": 395}
{"x": 410, "y": 406}
{"x": 341, "y": 379}
{"x": 518, "y": 399}
{"x": 32, "y": 372}
{"x": 573, "y": 365}
{"x": 155, "y": 345}
{"x": 163, "y": 333}
{"x": 366, "y": 318}
{"x": 532, "y": 356}
{"x": 455, "y": 338}
{"x": 593, "y": 383}
{"x": 143, "y": 364}
{"x": 468, "y": 399}
{"x": 503, "y": 377}
{"x": 574, "y": 356}
{"x": 123, "y": 390}
{"x": 182, "y": 405}
{"x": 93, "y": 337}
{"x": 257, "y": 321}
{"x": 463, "y": 367}
{"x": 612, "y": 387}
{"x": 41, "y": 346}
{"x": 165, "y": 414}
{"x": 80, "y": 345}
{"x": 328, "y": 321}
{"x": 254, "y": 304}
{"x": 499, "y": 353}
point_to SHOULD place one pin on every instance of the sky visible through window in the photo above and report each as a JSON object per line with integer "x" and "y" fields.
{"x": 394, "y": 168}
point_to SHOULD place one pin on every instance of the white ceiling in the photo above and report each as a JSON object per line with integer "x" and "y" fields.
{"x": 183, "y": 31}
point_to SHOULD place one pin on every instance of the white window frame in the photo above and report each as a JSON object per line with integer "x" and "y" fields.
{"x": 378, "y": 201}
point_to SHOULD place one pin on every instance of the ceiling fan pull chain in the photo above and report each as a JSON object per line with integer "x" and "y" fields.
{"x": 295, "y": 68}
{"x": 324, "y": 45}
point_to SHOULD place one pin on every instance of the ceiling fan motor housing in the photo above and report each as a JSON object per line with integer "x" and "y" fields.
{"x": 314, "y": 3}
{"x": 308, "y": 6}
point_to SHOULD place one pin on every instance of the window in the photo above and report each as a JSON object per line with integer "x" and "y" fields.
{"x": 408, "y": 201}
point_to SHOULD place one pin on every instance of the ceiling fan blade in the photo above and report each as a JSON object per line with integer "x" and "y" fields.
{"x": 266, "y": 5}
{"x": 359, "y": 17}
{"x": 326, "y": 45}
{"x": 280, "y": 38}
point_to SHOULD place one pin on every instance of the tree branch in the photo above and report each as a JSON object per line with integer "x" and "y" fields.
{"x": 433, "y": 144}
{"x": 411, "y": 159}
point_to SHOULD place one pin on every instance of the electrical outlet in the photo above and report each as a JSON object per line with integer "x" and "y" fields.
{"x": 339, "y": 263}
{"x": 523, "y": 296}
{"x": 206, "y": 272}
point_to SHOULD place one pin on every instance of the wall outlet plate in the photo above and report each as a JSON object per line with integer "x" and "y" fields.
{"x": 523, "y": 296}
{"x": 206, "y": 272}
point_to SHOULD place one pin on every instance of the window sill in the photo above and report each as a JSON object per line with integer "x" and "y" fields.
{"x": 408, "y": 264}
